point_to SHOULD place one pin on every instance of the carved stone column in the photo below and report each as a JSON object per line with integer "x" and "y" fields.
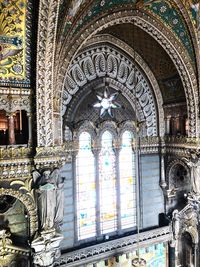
{"x": 163, "y": 183}
{"x": 172, "y": 256}
{"x": 29, "y": 129}
{"x": 167, "y": 125}
{"x": 11, "y": 129}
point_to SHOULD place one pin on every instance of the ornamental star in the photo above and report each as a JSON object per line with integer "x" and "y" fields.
{"x": 106, "y": 103}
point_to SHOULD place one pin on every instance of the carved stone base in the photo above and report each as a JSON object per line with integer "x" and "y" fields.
{"x": 46, "y": 248}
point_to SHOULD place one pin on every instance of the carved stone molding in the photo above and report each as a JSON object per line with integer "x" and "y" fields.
{"x": 164, "y": 37}
{"x": 119, "y": 246}
{"x": 15, "y": 163}
{"x": 51, "y": 157}
{"x": 103, "y": 60}
{"x": 48, "y": 13}
{"x": 12, "y": 103}
{"x": 46, "y": 248}
{"x": 106, "y": 38}
{"x": 28, "y": 203}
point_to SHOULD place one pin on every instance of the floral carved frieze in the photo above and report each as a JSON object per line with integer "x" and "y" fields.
{"x": 11, "y": 103}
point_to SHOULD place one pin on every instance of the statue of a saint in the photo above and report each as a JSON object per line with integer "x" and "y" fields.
{"x": 46, "y": 201}
{"x": 50, "y": 197}
{"x": 194, "y": 164}
{"x": 175, "y": 224}
{"x": 59, "y": 209}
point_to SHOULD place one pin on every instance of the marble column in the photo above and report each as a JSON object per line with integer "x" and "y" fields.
{"x": 172, "y": 254}
{"x": 167, "y": 125}
{"x": 29, "y": 129}
{"x": 11, "y": 129}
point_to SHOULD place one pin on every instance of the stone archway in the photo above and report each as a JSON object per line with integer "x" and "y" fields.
{"x": 103, "y": 60}
{"x": 48, "y": 111}
{"x": 26, "y": 201}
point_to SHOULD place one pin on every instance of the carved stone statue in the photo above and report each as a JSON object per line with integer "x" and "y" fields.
{"x": 59, "y": 209}
{"x": 175, "y": 224}
{"x": 194, "y": 164}
{"x": 50, "y": 197}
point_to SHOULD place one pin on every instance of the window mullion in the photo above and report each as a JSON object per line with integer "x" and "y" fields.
{"x": 98, "y": 225}
{"x": 118, "y": 192}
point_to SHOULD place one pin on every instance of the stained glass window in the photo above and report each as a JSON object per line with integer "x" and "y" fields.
{"x": 107, "y": 180}
{"x": 127, "y": 182}
{"x": 106, "y": 186}
{"x": 86, "y": 188}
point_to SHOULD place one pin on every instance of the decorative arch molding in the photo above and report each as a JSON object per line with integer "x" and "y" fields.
{"x": 26, "y": 201}
{"x": 107, "y": 38}
{"x": 104, "y": 60}
{"x": 164, "y": 37}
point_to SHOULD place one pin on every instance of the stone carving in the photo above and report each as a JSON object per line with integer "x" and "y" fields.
{"x": 9, "y": 253}
{"x": 47, "y": 248}
{"x": 28, "y": 203}
{"x": 50, "y": 198}
{"x": 104, "y": 60}
{"x": 48, "y": 13}
{"x": 194, "y": 164}
{"x": 175, "y": 224}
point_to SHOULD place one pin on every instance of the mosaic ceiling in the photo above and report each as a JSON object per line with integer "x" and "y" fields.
{"x": 156, "y": 58}
{"x": 13, "y": 42}
{"x": 165, "y": 11}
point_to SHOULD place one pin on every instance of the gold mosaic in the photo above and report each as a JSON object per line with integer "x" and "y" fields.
{"x": 12, "y": 39}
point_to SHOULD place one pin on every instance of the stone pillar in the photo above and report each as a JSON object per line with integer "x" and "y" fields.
{"x": 172, "y": 255}
{"x": 162, "y": 176}
{"x": 11, "y": 129}
{"x": 29, "y": 129}
{"x": 167, "y": 125}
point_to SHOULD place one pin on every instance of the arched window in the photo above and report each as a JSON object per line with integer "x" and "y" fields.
{"x": 105, "y": 186}
{"x": 86, "y": 188}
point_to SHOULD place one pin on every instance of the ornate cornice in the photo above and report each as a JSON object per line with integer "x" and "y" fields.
{"x": 51, "y": 157}
{"x": 116, "y": 247}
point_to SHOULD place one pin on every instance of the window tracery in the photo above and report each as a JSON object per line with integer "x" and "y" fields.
{"x": 105, "y": 186}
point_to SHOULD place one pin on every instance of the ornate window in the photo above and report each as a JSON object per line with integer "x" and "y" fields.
{"x": 105, "y": 185}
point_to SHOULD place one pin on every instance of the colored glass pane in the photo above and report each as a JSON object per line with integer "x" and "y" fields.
{"x": 127, "y": 182}
{"x": 107, "y": 179}
{"x": 86, "y": 189}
